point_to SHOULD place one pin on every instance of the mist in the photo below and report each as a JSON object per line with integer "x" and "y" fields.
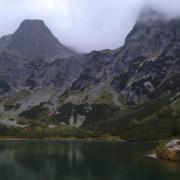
{"x": 83, "y": 25}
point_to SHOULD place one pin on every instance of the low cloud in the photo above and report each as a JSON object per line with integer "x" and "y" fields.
{"x": 82, "y": 24}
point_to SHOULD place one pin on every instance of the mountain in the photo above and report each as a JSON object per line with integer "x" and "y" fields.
{"x": 148, "y": 57}
{"x": 33, "y": 39}
{"x": 132, "y": 91}
{"x": 146, "y": 60}
{"x": 4, "y": 41}
{"x": 34, "y": 67}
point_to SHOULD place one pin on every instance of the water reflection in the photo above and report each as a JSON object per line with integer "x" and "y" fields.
{"x": 82, "y": 161}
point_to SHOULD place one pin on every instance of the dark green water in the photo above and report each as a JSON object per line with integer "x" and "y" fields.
{"x": 42, "y": 160}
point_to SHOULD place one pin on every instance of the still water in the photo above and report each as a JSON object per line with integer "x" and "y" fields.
{"x": 43, "y": 160}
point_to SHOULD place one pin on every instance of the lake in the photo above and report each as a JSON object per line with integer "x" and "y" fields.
{"x": 44, "y": 160}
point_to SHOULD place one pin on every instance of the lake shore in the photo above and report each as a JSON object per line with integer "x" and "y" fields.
{"x": 101, "y": 138}
{"x": 169, "y": 150}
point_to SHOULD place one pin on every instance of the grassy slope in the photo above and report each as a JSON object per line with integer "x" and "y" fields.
{"x": 156, "y": 119}
{"x": 150, "y": 121}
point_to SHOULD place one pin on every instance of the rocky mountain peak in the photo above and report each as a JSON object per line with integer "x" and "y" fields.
{"x": 33, "y": 38}
{"x": 152, "y": 32}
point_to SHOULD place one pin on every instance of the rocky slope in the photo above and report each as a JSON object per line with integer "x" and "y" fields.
{"x": 4, "y": 41}
{"x": 122, "y": 91}
{"x": 34, "y": 68}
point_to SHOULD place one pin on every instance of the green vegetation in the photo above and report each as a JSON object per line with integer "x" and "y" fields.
{"x": 158, "y": 119}
{"x": 39, "y": 131}
{"x": 104, "y": 98}
{"x": 162, "y": 124}
{"x": 99, "y": 113}
{"x": 149, "y": 121}
{"x": 65, "y": 112}
{"x": 165, "y": 153}
{"x": 36, "y": 112}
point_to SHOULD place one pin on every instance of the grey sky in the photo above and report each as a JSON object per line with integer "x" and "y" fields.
{"x": 82, "y": 24}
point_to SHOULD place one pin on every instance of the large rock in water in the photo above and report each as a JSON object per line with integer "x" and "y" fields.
{"x": 169, "y": 151}
{"x": 33, "y": 38}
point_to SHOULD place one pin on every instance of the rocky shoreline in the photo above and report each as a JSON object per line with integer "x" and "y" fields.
{"x": 100, "y": 138}
{"x": 168, "y": 150}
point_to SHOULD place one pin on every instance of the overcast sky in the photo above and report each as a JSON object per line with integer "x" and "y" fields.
{"x": 82, "y": 24}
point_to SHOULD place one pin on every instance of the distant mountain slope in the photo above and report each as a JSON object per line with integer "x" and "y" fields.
{"x": 122, "y": 91}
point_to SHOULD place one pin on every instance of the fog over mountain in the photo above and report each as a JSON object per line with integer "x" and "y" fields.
{"x": 84, "y": 25}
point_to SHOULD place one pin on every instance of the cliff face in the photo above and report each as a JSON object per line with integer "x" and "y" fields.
{"x": 92, "y": 89}
{"x": 148, "y": 57}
